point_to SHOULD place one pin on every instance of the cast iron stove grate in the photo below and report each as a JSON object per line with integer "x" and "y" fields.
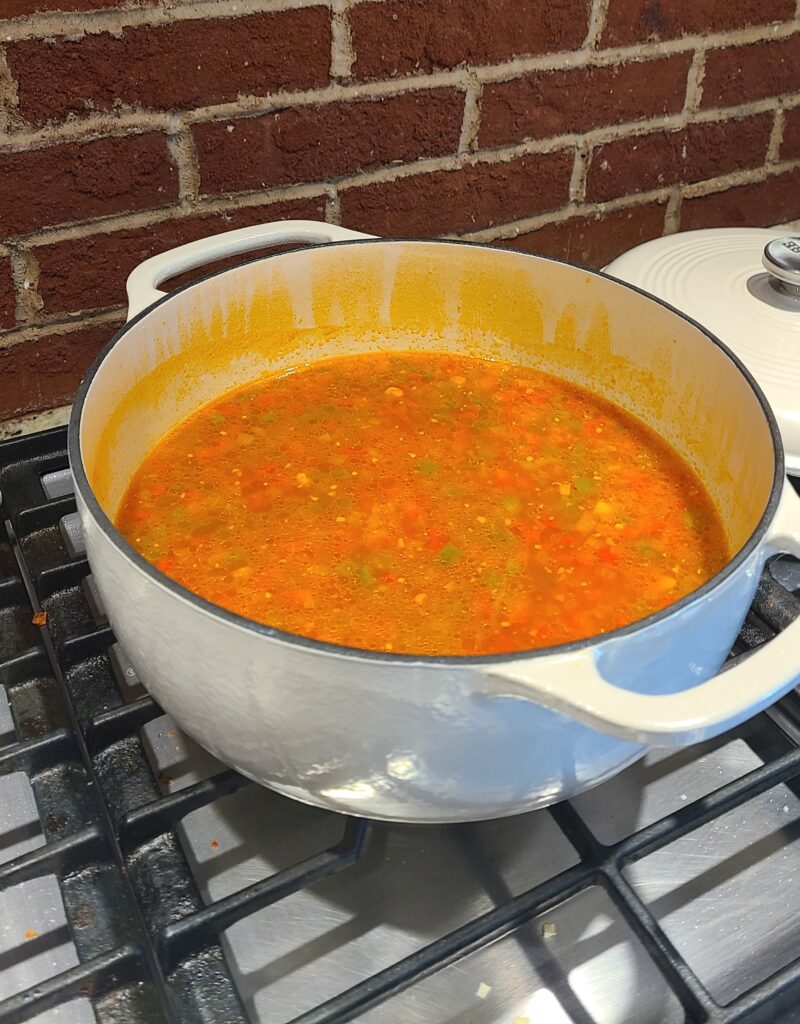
{"x": 130, "y": 938}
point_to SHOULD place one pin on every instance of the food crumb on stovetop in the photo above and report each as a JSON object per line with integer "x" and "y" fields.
{"x": 483, "y": 990}
{"x": 40, "y": 619}
{"x": 31, "y": 934}
{"x": 214, "y": 844}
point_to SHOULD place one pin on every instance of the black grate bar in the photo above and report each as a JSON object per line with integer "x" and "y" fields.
{"x": 474, "y": 935}
{"x": 609, "y": 861}
{"x": 111, "y": 726}
{"x": 78, "y": 648}
{"x": 36, "y": 517}
{"x": 50, "y": 581}
{"x": 150, "y": 820}
{"x": 586, "y": 845}
{"x": 739, "y": 652}
{"x": 692, "y": 994}
{"x": 10, "y": 591}
{"x": 786, "y": 717}
{"x": 776, "y": 605}
{"x": 94, "y": 979}
{"x": 29, "y": 447}
{"x": 753, "y": 634}
{"x": 700, "y": 812}
{"x": 59, "y": 858}
{"x": 76, "y": 745}
{"x": 196, "y": 931}
{"x": 23, "y": 666}
{"x": 32, "y": 756}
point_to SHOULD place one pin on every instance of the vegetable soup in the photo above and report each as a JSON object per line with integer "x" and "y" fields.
{"x": 424, "y": 503}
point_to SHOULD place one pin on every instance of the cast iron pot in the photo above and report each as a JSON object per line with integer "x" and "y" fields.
{"x": 430, "y": 738}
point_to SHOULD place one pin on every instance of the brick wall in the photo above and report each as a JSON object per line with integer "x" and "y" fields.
{"x": 570, "y": 127}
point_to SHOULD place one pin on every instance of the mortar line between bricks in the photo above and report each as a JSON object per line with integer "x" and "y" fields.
{"x": 72, "y": 25}
{"x": 504, "y": 154}
{"x": 76, "y": 24}
{"x": 580, "y": 168}
{"x": 672, "y": 213}
{"x": 637, "y": 53}
{"x": 332, "y": 208}
{"x": 706, "y": 187}
{"x": 752, "y": 176}
{"x": 495, "y": 232}
{"x": 597, "y": 22}
{"x": 343, "y": 54}
{"x": 8, "y": 92}
{"x": 147, "y": 218}
{"x": 511, "y": 229}
{"x": 32, "y": 332}
{"x": 451, "y": 162}
{"x": 471, "y": 121}
{"x": 776, "y": 138}
{"x": 139, "y": 120}
{"x": 597, "y": 135}
{"x": 134, "y": 121}
{"x": 184, "y": 155}
{"x": 694, "y": 83}
{"x": 24, "y": 274}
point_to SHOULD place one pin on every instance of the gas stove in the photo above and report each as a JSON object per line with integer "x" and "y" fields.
{"x": 143, "y": 881}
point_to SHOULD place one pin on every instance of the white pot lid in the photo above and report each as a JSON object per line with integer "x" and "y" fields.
{"x": 719, "y": 278}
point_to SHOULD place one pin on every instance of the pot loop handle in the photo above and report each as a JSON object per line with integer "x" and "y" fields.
{"x": 576, "y": 688}
{"x": 142, "y": 285}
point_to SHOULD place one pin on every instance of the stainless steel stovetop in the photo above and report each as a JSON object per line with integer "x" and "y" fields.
{"x": 728, "y": 896}
{"x": 554, "y": 917}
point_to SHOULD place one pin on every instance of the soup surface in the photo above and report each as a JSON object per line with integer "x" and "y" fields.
{"x": 424, "y": 503}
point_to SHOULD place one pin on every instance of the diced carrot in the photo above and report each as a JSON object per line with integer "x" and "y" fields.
{"x": 608, "y": 556}
{"x": 435, "y": 538}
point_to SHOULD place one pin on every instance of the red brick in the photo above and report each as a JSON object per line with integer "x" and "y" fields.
{"x": 466, "y": 199}
{"x": 632, "y": 21}
{"x": 8, "y": 300}
{"x": 400, "y": 37}
{"x": 738, "y": 74}
{"x": 594, "y": 241}
{"x": 45, "y": 373}
{"x": 574, "y": 100}
{"x": 77, "y": 181}
{"x": 773, "y": 201}
{"x": 17, "y": 8}
{"x": 662, "y": 158}
{"x": 184, "y": 64}
{"x": 323, "y": 142}
{"x": 790, "y": 147}
{"x": 86, "y": 273}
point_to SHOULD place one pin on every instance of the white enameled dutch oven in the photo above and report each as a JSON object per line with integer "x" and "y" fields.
{"x": 430, "y": 738}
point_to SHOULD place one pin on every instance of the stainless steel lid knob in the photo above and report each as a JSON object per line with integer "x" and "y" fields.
{"x": 781, "y": 260}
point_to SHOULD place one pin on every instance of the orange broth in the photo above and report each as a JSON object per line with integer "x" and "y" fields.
{"x": 424, "y": 503}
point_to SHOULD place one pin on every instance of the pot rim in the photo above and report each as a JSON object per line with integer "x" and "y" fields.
{"x": 391, "y": 658}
